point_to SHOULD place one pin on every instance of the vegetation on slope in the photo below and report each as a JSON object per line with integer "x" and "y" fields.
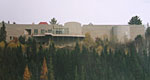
{"x": 102, "y": 61}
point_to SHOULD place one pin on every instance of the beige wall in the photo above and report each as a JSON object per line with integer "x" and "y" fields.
{"x": 137, "y": 30}
{"x": 120, "y": 33}
{"x": 74, "y": 28}
{"x": 16, "y": 30}
{"x": 97, "y": 30}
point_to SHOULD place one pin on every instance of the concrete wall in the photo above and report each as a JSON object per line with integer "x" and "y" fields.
{"x": 97, "y": 30}
{"x": 121, "y": 33}
{"x": 16, "y": 30}
{"x": 137, "y": 30}
{"x": 74, "y": 28}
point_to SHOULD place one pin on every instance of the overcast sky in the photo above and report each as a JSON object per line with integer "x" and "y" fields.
{"x": 83, "y": 11}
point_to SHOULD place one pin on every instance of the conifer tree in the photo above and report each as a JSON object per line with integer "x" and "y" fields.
{"x": 147, "y": 33}
{"x": 76, "y": 74}
{"x": 3, "y": 32}
{"x": 82, "y": 73}
{"x": 49, "y": 58}
{"x": 135, "y": 20}
{"x": 51, "y": 72}
{"x": 77, "y": 48}
{"x": 44, "y": 71}
{"x": 22, "y": 39}
{"x": 27, "y": 74}
{"x": 53, "y": 21}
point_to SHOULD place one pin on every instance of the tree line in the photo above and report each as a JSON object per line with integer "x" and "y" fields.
{"x": 99, "y": 60}
{"x": 121, "y": 62}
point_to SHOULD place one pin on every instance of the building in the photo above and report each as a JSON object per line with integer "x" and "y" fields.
{"x": 71, "y": 32}
{"x": 119, "y": 33}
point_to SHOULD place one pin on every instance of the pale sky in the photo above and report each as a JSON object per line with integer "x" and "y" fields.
{"x": 83, "y": 11}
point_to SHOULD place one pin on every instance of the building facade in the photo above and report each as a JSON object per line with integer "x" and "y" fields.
{"x": 71, "y": 32}
{"x": 119, "y": 33}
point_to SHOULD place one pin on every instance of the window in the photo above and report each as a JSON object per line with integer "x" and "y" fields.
{"x": 42, "y": 31}
{"x": 35, "y": 31}
{"x": 66, "y": 31}
{"x": 28, "y": 31}
{"x": 49, "y": 31}
{"x": 58, "y": 32}
{"x": 10, "y": 37}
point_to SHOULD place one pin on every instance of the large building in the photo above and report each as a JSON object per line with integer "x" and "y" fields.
{"x": 71, "y": 32}
{"x": 119, "y": 33}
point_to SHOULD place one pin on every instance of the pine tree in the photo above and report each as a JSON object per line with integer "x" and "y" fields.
{"x": 49, "y": 57}
{"x": 27, "y": 74}
{"x": 53, "y": 21}
{"x": 147, "y": 33}
{"x": 77, "y": 48}
{"x": 44, "y": 71}
{"x": 76, "y": 74}
{"x": 3, "y": 32}
{"x": 51, "y": 72}
{"x": 82, "y": 73}
{"x": 135, "y": 20}
{"x": 22, "y": 39}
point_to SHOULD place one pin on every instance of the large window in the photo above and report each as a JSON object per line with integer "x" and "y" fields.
{"x": 42, "y": 31}
{"x": 49, "y": 31}
{"x": 58, "y": 32}
{"x": 35, "y": 31}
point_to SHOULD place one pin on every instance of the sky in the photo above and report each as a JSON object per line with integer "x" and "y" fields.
{"x": 83, "y": 11}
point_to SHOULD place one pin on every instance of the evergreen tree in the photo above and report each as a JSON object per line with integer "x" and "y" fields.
{"x": 44, "y": 71}
{"x": 76, "y": 74}
{"x": 50, "y": 59}
{"x": 122, "y": 62}
{"x": 3, "y": 32}
{"x": 22, "y": 39}
{"x": 147, "y": 33}
{"x": 27, "y": 74}
{"x": 53, "y": 21}
{"x": 77, "y": 48}
{"x": 34, "y": 46}
{"x": 135, "y": 20}
{"x": 51, "y": 72}
{"x": 83, "y": 73}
